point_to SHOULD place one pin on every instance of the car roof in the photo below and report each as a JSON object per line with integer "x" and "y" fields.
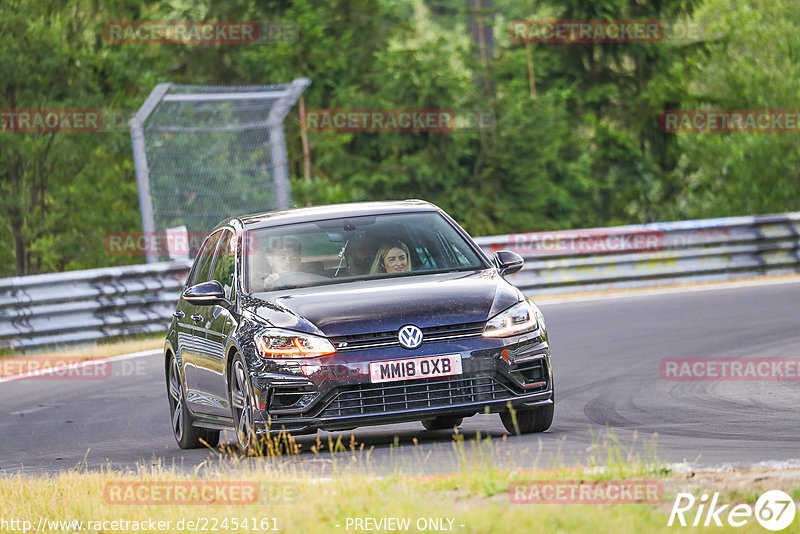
{"x": 333, "y": 211}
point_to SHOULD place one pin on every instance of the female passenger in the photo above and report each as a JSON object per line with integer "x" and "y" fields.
{"x": 391, "y": 258}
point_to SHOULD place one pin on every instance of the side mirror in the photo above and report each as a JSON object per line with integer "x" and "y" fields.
{"x": 507, "y": 262}
{"x": 205, "y": 293}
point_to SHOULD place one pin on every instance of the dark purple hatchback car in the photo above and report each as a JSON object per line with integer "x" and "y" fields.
{"x": 341, "y": 316}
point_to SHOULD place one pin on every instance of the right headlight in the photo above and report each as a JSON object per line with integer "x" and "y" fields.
{"x": 281, "y": 344}
{"x": 518, "y": 319}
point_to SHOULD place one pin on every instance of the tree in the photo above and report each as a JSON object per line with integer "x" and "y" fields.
{"x": 754, "y": 63}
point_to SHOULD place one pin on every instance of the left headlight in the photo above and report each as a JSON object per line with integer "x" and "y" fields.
{"x": 519, "y": 318}
{"x": 280, "y": 343}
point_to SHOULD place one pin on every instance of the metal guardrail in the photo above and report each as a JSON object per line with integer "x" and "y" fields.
{"x": 653, "y": 254}
{"x": 83, "y": 306}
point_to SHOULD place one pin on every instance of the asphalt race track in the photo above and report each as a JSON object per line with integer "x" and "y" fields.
{"x": 606, "y": 356}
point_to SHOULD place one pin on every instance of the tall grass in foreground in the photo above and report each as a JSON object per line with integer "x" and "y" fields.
{"x": 295, "y": 497}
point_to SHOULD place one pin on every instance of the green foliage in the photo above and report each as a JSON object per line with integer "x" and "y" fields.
{"x": 753, "y": 63}
{"x": 575, "y": 140}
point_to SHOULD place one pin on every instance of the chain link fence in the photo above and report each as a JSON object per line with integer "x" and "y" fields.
{"x": 204, "y": 153}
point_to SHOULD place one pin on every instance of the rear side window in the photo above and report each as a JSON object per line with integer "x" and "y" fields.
{"x": 204, "y": 260}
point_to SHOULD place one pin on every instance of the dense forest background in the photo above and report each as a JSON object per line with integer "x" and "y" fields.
{"x": 574, "y": 142}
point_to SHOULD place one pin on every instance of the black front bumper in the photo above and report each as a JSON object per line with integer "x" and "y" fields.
{"x": 347, "y": 422}
{"x": 514, "y": 372}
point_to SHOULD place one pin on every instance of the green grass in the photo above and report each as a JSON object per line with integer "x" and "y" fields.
{"x": 298, "y": 498}
{"x": 103, "y": 349}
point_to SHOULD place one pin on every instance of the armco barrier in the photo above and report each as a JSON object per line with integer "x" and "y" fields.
{"x": 81, "y": 306}
{"x": 653, "y": 254}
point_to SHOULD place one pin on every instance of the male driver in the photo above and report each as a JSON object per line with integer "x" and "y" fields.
{"x": 284, "y": 257}
{"x": 360, "y": 254}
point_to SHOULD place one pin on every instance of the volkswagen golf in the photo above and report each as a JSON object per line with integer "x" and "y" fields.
{"x": 336, "y": 317}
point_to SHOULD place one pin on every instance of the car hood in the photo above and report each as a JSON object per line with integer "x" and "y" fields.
{"x": 369, "y": 306}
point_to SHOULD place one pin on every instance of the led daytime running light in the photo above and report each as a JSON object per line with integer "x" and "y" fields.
{"x": 295, "y": 345}
{"x": 508, "y": 327}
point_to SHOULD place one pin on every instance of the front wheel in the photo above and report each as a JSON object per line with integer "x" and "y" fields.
{"x": 528, "y": 421}
{"x": 241, "y": 403}
{"x": 186, "y": 434}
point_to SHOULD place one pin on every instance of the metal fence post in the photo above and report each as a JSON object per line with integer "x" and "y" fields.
{"x": 140, "y": 162}
{"x": 277, "y": 143}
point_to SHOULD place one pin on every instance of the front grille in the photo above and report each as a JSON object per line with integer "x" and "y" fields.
{"x": 366, "y": 399}
{"x": 385, "y": 339}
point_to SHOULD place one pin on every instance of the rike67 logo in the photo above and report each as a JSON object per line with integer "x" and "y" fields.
{"x": 774, "y": 510}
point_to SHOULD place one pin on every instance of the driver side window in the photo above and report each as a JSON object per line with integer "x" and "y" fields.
{"x": 204, "y": 260}
{"x": 226, "y": 260}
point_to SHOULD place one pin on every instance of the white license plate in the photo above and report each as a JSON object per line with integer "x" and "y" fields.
{"x": 415, "y": 368}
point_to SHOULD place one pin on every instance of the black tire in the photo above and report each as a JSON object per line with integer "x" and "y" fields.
{"x": 528, "y": 421}
{"x": 443, "y": 422}
{"x": 241, "y": 397}
{"x": 186, "y": 434}
{"x": 210, "y": 437}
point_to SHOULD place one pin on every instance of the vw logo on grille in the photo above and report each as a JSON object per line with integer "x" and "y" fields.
{"x": 410, "y": 337}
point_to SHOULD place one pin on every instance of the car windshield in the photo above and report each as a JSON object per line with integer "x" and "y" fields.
{"x": 355, "y": 248}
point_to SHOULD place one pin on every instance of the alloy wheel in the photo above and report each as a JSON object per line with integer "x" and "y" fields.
{"x": 176, "y": 399}
{"x": 241, "y": 401}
